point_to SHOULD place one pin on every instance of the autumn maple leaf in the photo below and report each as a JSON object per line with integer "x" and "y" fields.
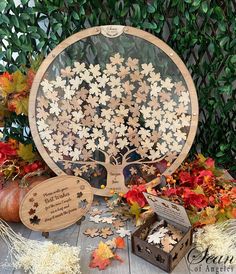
{"x": 120, "y": 242}
{"x": 30, "y": 77}
{"x": 118, "y": 258}
{"x": 101, "y": 256}
{"x": 197, "y": 200}
{"x": 233, "y": 193}
{"x": 14, "y": 84}
{"x": 26, "y": 152}
{"x": 99, "y": 262}
{"x": 135, "y": 210}
{"x": 170, "y": 192}
{"x": 234, "y": 212}
{"x": 204, "y": 176}
{"x": 225, "y": 200}
{"x": 210, "y": 163}
{"x": 6, "y": 148}
{"x": 19, "y": 104}
{"x": 186, "y": 179}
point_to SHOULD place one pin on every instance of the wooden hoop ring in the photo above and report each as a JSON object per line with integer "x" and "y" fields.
{"x": 130, "y": 31}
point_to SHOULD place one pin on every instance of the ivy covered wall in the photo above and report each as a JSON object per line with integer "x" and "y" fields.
{"x": 203, "y": 33}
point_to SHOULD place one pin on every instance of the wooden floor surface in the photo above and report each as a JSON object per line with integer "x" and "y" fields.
{"x": 131, "y": 265}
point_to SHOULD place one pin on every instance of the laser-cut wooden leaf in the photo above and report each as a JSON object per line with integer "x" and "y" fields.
{"x": 168, "y": 243}
{"x": 67, "y": 72}
{"x": 91, "y": 232}
{"x": 108, "y": 109}
{"x": 147, "y": 68}
{"x": 117, "y": 59}
{"x": 105, "y": 232}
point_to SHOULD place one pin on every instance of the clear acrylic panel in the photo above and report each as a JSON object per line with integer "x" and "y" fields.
{"x": 115, "y": 111}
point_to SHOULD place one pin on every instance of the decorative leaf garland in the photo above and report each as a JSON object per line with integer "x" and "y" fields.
{"x": 208, "y": 196}
{"x": 15, "y": 133}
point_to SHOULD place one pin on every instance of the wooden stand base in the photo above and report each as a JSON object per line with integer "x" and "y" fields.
{"x": 45, "y": 234}
{"x": 80, "y": 221}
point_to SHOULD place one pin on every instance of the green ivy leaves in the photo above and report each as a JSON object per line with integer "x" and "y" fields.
{"x": 202, "y": 32}
{"x": 3, "y": 5}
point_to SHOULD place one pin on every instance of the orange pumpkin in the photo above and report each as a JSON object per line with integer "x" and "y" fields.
{"x": 12, "y": 194}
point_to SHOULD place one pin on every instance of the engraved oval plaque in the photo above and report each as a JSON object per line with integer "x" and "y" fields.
{"x": 56, "y": 203}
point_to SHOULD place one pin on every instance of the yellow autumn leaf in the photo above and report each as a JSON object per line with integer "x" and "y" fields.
{"x": 103, "y": 251}
{"x": 229, "y": 213}
{"x": 16, "y": 84}
{"x": 208, "y": 220}
{"x": 135, "y": 210}
{"x": 208, "y": 216}
{"x": 212, "y": 211}
{"x": 21, "y": 105}
{"x": 144, "y": 216}
{"x": 26, "y": 152}
{"x": 199, "y": 190}
{"x": 201, "y": 158}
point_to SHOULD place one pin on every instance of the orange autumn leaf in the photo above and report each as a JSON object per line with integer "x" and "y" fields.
{"x": 234, "y": 212}
{"x": 13, "y": 83}
{"x": 101, "y": 256}
{"x": 30, "y": 77}
{"x": 233, "y": 193}
{"x": 229, "y": 212}
{"x": 13, "y": 143}
{"x": 120, "y": 242}
{"x": 118, "y": 258}
{"x": 18, "y": 103}
{"x": 225, "y": 201}
{"x": 99, "y": 262}
{"x": 7, "y": 75}
{"x": 208, "y": 221}
{"x": 208, "y": 216}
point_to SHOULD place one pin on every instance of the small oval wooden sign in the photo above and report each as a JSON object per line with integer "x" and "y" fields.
{"x": 56, "y": 203}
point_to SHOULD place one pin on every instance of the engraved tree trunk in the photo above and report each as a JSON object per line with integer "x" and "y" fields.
{"x": 115, "y": 178}
{"x": 115, "y": 169}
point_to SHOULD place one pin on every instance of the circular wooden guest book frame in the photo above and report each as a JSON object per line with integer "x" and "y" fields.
{"x": 114, "y": 180}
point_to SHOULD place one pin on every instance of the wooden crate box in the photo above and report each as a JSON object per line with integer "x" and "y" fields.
{"x": 154, "y": 254}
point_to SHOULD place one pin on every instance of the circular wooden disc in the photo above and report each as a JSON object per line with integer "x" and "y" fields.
{"x": 106, "y": 80}
{"x": 56, "y": 203}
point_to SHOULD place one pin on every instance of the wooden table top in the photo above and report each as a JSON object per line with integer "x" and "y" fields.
{"x": 131, "y": 265}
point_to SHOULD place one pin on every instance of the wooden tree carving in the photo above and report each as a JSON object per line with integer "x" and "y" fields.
{"x": 119, "y": 114}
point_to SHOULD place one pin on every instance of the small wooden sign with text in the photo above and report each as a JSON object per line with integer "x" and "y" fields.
{"x": 56, "y": 203}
